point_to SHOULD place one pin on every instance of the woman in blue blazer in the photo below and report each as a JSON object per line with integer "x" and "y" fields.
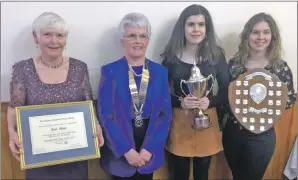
{"x": 134, "y": 106}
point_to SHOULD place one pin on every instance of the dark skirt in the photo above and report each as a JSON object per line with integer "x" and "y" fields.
{"x": 75, "y": 170}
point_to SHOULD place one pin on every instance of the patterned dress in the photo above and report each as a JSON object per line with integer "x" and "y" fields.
{"x": 27, "y": 89}
{"x": 283, "y": 73}
{"x": 249, "y": 154}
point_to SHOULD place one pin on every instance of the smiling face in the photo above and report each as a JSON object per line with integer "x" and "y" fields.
{"x": 135, "y": 42}
{"x": 260, "y": 37}
{"x": 195, "y": 29}
{"x": 51, "y": 42}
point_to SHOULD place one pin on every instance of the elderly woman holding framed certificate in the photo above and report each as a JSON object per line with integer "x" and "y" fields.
{"x": 49, "y": 78}
{"x": 134, "y": 106}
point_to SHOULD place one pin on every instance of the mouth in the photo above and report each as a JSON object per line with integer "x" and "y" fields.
{"x": 137, "y": 48}
{"x": 195, "y": 36}
{"x": 54, "y": 48}
{"x": 260, "y": 43}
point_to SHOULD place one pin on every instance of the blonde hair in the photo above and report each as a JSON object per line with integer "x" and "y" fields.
{"x": 273, "y": 50}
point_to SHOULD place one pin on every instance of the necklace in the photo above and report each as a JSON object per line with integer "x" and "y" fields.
{"x": 51, "y": 66}
{"x": 138, "y": 98}
{"x": 135, "y": 73}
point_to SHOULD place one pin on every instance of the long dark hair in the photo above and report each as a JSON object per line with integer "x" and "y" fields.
{"x": 274, "y": 48}
{"x": 208, "y": 48}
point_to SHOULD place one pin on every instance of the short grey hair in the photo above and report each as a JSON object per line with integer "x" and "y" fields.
{"x": 49, "y": 20}
{"x": 134, "y": 20}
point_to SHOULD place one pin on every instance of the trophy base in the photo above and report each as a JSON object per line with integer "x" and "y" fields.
{"x": 202, "y": 122}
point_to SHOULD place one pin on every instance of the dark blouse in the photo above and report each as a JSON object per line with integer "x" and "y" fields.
{"x": 284, "y": 73}
{"x": 178, "y": 70}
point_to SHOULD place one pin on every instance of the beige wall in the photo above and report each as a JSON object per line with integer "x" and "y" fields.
{"x": 93, "y": 25}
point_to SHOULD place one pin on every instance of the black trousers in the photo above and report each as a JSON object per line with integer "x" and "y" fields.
{"x": 136, "y": 176}
{"x": 247, "y": 154}
{"x": 179, "y": 167}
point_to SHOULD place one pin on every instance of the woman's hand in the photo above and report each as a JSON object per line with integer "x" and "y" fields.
{"x": 145, "y": 155}
{"x": 190, "y": 102}
{"x": 133, "y": 158}
{"x": 204, "y": 103}
{"x": 99, "y": 135}
{"x": 14, "y": 144}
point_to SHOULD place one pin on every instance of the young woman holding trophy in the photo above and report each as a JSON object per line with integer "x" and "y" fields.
{"x": 249, "y": 153}
{"x": 194, "y": 60}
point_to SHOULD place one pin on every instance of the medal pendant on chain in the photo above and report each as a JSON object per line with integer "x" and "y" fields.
{"x": 138, "y": 119}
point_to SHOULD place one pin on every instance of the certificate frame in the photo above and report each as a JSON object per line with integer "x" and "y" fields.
{"x": 29, "y": 160}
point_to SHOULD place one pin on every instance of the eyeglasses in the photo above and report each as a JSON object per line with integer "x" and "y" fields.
{"x": 135, "y": 36}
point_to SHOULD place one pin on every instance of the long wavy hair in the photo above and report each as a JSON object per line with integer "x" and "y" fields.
{"x": 208, "y": 48}
{"x": 273, "y": 52}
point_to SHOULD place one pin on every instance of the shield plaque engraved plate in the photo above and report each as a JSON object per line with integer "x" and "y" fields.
{"x": 262, "y": 102}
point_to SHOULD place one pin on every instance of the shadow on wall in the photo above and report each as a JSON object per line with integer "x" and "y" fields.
{"x": 161, "y": 39}
{"x": 229, "y": 43}
{"x": 109, "y": 50}
{"x": 109, "y": 45}
{"x": 23, "y": 48}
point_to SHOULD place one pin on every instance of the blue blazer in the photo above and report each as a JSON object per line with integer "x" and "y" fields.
{"x": 115, "y": 111}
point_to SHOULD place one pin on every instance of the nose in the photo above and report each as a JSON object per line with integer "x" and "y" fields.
{"x": 54, "y": 39}
{"x": 138, "y": 39}
{"x": 196, "y": 27}
{"x": 261, "y": 35}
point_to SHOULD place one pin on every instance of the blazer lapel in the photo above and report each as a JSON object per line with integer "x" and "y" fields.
{"x": 150, "y": 91}
{"x": 122, "y": 82}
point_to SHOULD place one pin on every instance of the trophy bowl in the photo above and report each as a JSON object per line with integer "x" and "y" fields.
{"x": 197, "y": 86}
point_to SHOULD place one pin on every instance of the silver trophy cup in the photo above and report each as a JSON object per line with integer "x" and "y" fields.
{"x": 197, "y": 86}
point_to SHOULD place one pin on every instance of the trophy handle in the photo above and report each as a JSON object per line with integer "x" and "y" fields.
{"x": 182, "y": 81}
{"x": 209, "y": 90}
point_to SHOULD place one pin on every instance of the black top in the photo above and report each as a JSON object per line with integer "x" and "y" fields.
{"x": 284, "y": 73}
{"x": 178, "y": 70}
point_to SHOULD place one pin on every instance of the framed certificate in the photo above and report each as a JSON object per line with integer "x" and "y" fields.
{"x": 56, "y": 133}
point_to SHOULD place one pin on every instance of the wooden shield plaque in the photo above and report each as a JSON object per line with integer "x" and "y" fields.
{"x": 257, "y": 99}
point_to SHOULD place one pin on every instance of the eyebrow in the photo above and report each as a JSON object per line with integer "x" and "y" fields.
{"x": 261, "y": 30}
{"x": 196, "y": 22}
{"x": 137, "y": 33}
